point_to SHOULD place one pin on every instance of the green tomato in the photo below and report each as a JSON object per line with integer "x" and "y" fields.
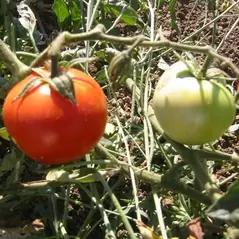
{"x": 192, "y": 111}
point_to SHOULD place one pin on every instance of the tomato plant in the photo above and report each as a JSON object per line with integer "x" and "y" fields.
{"x": 48, "y": 127}
{"x": 192, "y": 111}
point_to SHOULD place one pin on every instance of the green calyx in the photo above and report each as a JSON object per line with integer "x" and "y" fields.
{"x": 62, "y": 83}
{"x": 120, "y": 67}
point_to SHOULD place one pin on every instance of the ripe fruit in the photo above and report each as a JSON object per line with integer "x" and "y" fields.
{"x": 192, "y": 111}
{"x": 50, "y": 128}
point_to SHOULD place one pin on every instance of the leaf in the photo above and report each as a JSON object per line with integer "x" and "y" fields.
{"x": 27, "y": 18}
{"x": 57, "y": 175}
{"x": 105, "y": 141}
{"x": 128, "y": 14}
{"x": 161, "y": 2}
{"x": 4, "y": 201}
{"x": 61, "y": 10}
{"x": 172, "y": 9}
{"x": 100, "y": 75}
{"x": 87, "y": 175}
{"x": 227, "y": 207}
{"x": 9, "y": 161}
{"x": 217, "y": 75}
{"x": 12, "y": 177}
{"x": 90, "y": 175}
{"x": 4, "y": 134}
{"x": 75, "y": 11}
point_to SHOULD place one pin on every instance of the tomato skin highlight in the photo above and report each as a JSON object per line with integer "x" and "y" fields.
{"x": 48, "y": 127}
{"x": 192, "y": 111}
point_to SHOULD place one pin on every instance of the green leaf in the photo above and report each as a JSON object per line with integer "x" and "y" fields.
{"x": 4, "y": 134}
{"x": 172, "y": 9}
{"x": 90, "y": 175}
{"x": 57, "y": 175}
{"x": 105, "y": 141}
{"x": 75, "y": 11}
{"x": 9, "y": 161}
{"x": 100, "y": 75}
{"x": 128, "y": 14}
{"x": 227, "y": 207}
{"x": 161, "y": 2}
{"x": 12, "y": 177}
{"x": 87, "y": 175}
{"x": 61, "y": 10}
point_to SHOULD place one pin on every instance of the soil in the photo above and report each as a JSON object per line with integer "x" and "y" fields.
{"x": 190, "y": 15}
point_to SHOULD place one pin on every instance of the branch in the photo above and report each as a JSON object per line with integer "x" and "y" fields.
{"x": 158, "y": 181}
{"x": 98, "y": 33}
{"x": 66, "y": 38}
{"x": 216, "y": 155}
{"x": 17, "y": 68}
{"x": 20, "y": 70}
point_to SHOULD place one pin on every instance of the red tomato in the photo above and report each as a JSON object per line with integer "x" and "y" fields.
{"x": 48, "y": 127}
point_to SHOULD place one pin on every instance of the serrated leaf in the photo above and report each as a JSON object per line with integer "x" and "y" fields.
{"x": 4, "y": 134}
{"x": 227, "y": 207}
{"x": 61, "y": 10}
{"x": 27, "y": 18}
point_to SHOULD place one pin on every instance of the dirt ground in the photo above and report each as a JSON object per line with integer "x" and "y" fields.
{"x": 192, "y": 16}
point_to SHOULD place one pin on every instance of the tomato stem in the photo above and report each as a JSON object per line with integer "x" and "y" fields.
{"x": 193, "y": 159}
{"x": 55, "y": 68}
{"x": 206, "y": 65}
